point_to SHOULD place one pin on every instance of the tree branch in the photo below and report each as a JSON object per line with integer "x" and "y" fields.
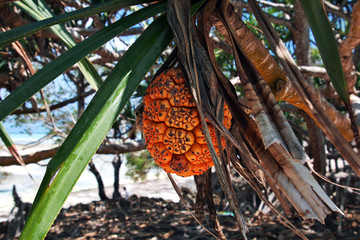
{"x": 239, "y": 4}
{"x": 280, "y": 6}
{"x": 347, "y": 46}
{"x": 53, "y": 107}
{"x": 130, "y": 146}
{"x": 14, "y": 20}
{"x": 77, "y": 31}
{"x": 336, "y": 10}
{"x": 314, "y": 71}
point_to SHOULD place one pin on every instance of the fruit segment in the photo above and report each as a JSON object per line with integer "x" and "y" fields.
{"x": 172, "y": 128}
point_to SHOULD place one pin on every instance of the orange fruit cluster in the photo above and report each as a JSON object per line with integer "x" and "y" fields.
{"x": 172, "y": 128}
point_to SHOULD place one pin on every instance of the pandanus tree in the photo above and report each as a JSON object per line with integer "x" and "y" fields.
{"x": 260, "y": 145}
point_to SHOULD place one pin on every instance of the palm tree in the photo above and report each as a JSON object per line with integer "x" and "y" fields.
{"x": 261, "y": 145}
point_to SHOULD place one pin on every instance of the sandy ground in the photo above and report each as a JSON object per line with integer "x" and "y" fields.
{"x": 160, "y": 188}
{"x": 86, "y": 189}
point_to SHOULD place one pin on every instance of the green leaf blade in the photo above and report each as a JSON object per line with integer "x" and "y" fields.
{"x": 5, "y": 137}
{"x": 324, "y": 36}
{"x": 20, "y": 32}
{"x": 67, "y": 165}
{"x": 75, "y": 54}
{"x": 40, "y": 11}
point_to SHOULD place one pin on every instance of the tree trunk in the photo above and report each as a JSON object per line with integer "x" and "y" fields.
{"x": 80, "y": 87}
{"x": 99, "y": 181}
{"x": 301, "y": 36}
{"x": 317, "y": 145}
{"x": 302, "y": 52}
{"x": 210, "y": 202}
{"x": 117, "y": 164}
{"x": 199, "y": 202}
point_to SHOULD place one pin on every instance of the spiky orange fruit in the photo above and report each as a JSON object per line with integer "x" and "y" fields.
{"x": 172, "y": 128}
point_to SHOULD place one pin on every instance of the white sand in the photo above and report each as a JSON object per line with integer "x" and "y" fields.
{"x": 85, "y": 189}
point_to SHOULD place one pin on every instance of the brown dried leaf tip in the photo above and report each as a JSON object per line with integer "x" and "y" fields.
{"x": 172, "y": 129}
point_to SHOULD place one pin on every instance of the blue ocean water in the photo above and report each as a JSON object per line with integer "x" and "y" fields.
{"x": 24, "y": 139}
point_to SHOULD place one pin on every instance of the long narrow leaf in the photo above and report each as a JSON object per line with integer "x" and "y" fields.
{"x": 65, "y": 61}
{"x": 40, "y": 11}
{"x": 5, "y": 137}
{"x": 324, "y": 36}
{"x": 67, "y": 165}
{"x": 24, "y": 31}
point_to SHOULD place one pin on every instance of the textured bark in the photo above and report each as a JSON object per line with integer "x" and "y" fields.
{"x": 281, "y": 125}
{"x": 253, "y": 174}
{"x": 275, "y": 145}
{"x": 291, "y": 177}
{"x": 317, "y": 204}
{"x": 309, "y": 96}
{"x": 300, "y": 32}
{"x": 284, "y": 171}
{"x": 287, "y": 91}
{"x": 317, "y": 145}
{"x": 347, "y": 46}
{"x": 275, "y": 77}
{"x": 252, "y": 46}
{"x": 200, "y": 197}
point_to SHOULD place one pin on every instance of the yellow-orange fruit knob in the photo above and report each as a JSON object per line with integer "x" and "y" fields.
{"x": 172, "y": 129}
